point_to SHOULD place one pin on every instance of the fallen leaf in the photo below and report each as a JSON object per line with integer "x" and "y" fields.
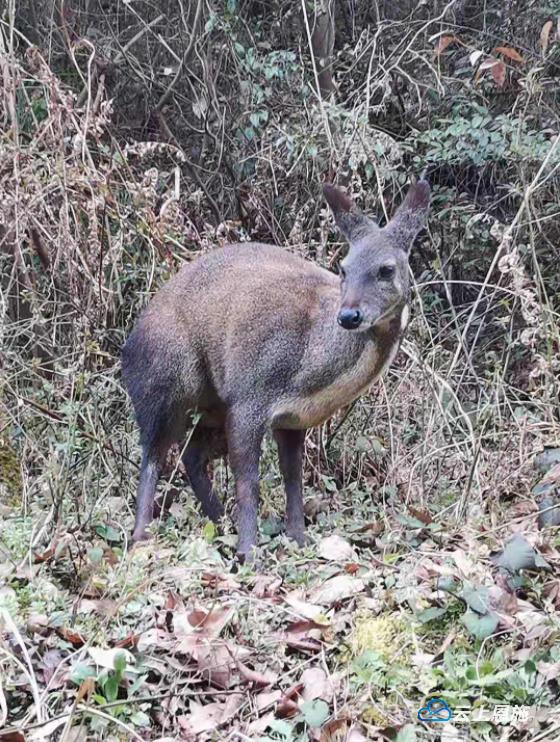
{"x": 172, "y": 601}
{"x": 474, "y": 57}
{"x": 153, "y": 638}
{"x": 545, "y": 36}
{"x": 45, "y": 555}
{"x": 37, "y": 623}
{"x": 257, "y": 727}
{"x": 335, "y": 730}
{"x": 266, "y": 586}
{"x": 216, "y": 663}
{"x": 207, "y": 717}
{"x": 337, "y": 549}
{"x": 131, "y": 640}
{"x": 424, "y": 516}
{"x": 213, "y": 622}
{"x": 76, "y": 639}
{"x": 303, "y": 608}
{"x": 499, "y": 73}
{"x": 287, "y": 705}
{"x": 443, "y": 42}
{"x": 464, "y": 562}
{"x": 337, "y": 589}
{"x": 509, "y": 52}
{"x": 104, "y": 607}
{"x": 549, "y": 513}
{"x": 49, "y": 664}
{"x": 267, "y": 698}
{"x": 85, "y": 690}
{"x": 219, "y": 582}
{"x": 549, "y": 670}
{"x": 304, "y": 635}
{"x": 316, "y": 684}
{"x": 106, "y": 657}
{"x": 256, "y": 679}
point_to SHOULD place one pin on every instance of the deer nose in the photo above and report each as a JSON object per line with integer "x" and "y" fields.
{"x": 350, "y": 318}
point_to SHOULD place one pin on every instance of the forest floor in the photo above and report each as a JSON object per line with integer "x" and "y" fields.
{"x": 346, "y": 639}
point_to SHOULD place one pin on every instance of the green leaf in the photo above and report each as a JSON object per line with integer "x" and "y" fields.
{"x": 140, "y": 719}
{"x": 95, "y": 554}
{"x": 547, "y": 458}
{"x": 120, "y": 663}
{"x": 430, "y": 614}
{"x": 80, "y": 672}
{"x": 549, "y": 513}
{"x": 481, "y": 627}
{"x": 282, "y": 728}
{"x": 111, "y": 688}
{"x": 477, "y": 598}
{"x": 108, "y": 533}
{"x": 362, "y": 444}
{"x": 518, "y": 554}
{"x": 315, "y": 713}
{"x": 209, "y": 532}
{"x": 272, "y": 526}
{"x": 406, "y": 734}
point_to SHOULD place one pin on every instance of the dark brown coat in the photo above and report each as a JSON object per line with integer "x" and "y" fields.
{"x": 255, "y": 338}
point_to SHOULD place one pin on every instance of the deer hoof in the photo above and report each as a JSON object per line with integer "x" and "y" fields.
{"x": 299, "y": 536}
{"x": 140, "y": 534}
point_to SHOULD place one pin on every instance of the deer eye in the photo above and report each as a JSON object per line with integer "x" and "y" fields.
{"x": 386, "y": 272}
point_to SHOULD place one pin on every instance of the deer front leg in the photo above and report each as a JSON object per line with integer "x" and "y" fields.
{"x": 244, "y": 439}
{"x": 290, "y": 454}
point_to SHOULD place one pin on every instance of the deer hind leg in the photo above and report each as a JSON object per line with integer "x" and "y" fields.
{"x": 245, "y": 431}
{"x": 202, "y": 447}
{"x": 153, "y": 459}
{"x": 290, "y": 454}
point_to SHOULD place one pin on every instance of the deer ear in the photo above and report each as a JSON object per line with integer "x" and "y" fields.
{"x": 349, "y": 219}
{"x": 410, "y": 216}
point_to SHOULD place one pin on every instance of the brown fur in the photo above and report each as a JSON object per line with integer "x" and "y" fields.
{"x": 248, "y": 337}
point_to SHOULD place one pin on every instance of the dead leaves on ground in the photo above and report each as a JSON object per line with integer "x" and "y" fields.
{"x": 228, "y": 651}
{"x": 206, "y": 639}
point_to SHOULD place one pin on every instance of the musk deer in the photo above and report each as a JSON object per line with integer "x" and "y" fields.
{"x": 254, "y": 338}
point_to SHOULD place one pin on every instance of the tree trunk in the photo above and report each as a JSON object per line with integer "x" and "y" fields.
{"x": 322, "y": 40}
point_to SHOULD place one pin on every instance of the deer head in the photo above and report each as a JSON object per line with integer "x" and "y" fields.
{"x": 374, "y": 274}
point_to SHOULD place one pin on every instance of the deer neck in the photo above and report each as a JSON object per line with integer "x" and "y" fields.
{"x": 337, "y": 368}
